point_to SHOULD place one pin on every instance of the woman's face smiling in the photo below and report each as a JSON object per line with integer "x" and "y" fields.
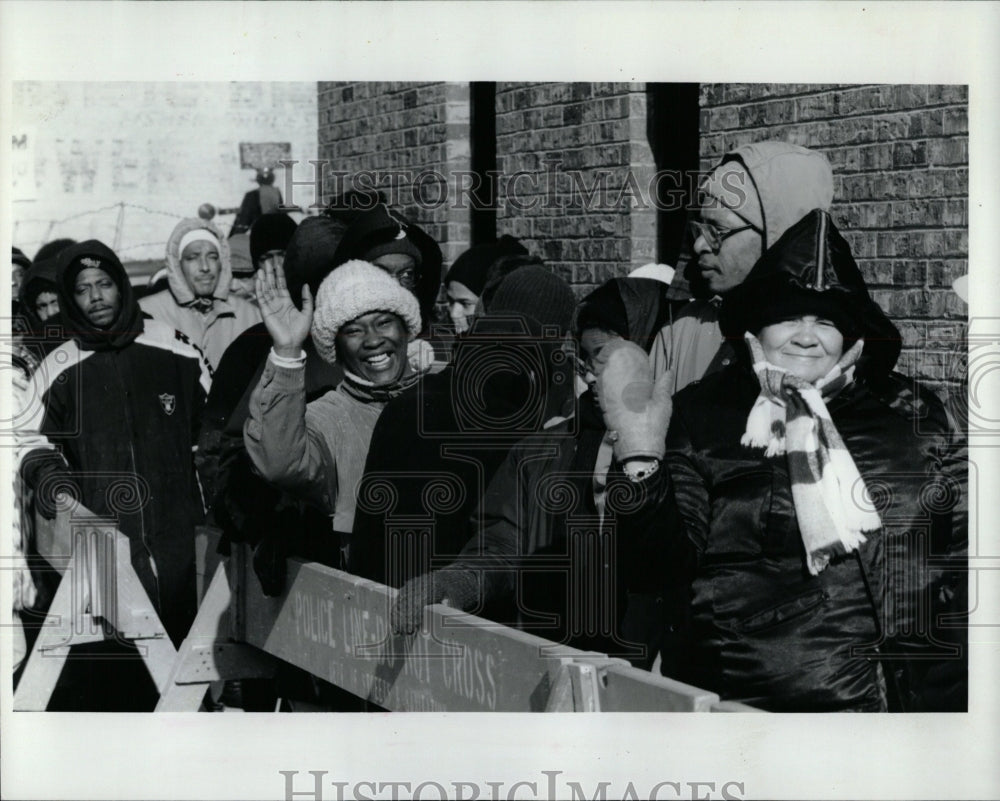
{"x": 373, "y": 347}
{"x": 806, "y": 346}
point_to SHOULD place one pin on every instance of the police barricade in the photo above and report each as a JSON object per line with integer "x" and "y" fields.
{"x": 99, "y": 597}
{"x": 334, "y": 625}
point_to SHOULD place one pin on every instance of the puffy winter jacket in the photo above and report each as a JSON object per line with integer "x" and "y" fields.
{"x": 749, "y": 620}
{"x": 879, "y": 628}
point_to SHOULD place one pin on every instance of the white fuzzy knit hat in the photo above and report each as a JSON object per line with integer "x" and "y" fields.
{"x": 353, "y": 289}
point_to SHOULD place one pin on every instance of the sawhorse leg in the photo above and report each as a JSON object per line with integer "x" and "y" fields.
{"x": 208, "y": 654}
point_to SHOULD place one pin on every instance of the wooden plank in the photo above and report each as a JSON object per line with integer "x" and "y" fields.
{"x": 629, "y": 689}
{"x": 335, "y": 626}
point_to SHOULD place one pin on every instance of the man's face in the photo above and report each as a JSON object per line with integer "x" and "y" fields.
{"x": 200, "y": 263}
{"x": 401, "y": 267}
{"x": 97, "y": 296}
{"x": 16, "y": 275}
{"x": 726, "y": 268}
{"x": 728, "y": 201}
{"x": 46, "y": 305}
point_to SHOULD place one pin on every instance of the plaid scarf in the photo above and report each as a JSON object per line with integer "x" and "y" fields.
{"x": 790, "y": 416}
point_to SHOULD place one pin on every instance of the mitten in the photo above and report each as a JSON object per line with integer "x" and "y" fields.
{"x": 636, "y": 411}
{"x": 453, "y": 587}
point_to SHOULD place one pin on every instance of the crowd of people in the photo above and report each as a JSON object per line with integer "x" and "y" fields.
{"x": 748, "y": 497}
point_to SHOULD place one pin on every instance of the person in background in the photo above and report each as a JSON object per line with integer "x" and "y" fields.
{"x": 241, "y": 284}
{"x": 267, "y": 241}
{"x": 269, "y": 238}
{"x": 817, "y": 542}
{"x": 514, "y": 527}
{"x": 509, "y": 379}
{"x": 466, "y": 278}
{"x": 198, "y": 302}
{"x": 265, "y": 199}
{"x": 19, "y": 264}
{"x": 115, "y": 410}
{"x": 388, "y": 240}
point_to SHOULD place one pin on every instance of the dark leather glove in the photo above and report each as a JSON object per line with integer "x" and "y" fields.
{"x": 46, "y": 472}
{"x": 453, "y": 587}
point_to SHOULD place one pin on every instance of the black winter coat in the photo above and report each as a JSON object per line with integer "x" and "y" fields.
{"x": 748, "y": 621}
{"x": 125, "y": 420}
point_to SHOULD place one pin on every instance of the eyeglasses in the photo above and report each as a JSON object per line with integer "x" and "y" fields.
{"x": 582, "y": 368}
{"x": 715, "y": 236}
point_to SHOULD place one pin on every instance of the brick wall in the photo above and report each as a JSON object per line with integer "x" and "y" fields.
{"x": 574, "y": 139}
{"x": 575, "y": 164}
{"x": 900, "y": 161}
{"x": 413, "y": 135}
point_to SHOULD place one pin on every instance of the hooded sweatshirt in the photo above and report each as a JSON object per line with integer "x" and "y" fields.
{"x": 790, "y": 182}
{"x": 212, "y": 330}
{"x": 117, "y": 410}
{"x": 36, "y": 338}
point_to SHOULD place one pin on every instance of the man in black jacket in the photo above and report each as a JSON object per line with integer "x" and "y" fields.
{"x": 115, "y": 412}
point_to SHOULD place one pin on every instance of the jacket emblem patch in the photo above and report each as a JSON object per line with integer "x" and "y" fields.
{"x": 168, "y": 402}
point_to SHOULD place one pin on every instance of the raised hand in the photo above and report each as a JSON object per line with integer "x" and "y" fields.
{"x": 287, "y": 325}
{"x": 635, "y": 408}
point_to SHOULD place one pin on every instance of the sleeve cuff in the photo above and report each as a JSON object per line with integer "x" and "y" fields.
{"x": 287, "y": 362}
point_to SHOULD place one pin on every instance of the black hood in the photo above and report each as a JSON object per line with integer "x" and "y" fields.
{"x": 40, "y": 277}
{"x": 310, "y": 254}
{"x": 126, "y": 326}
{"x": 634, "y": 308}
{"x": 810, "y": 270}
{"x": 380, "y": 226}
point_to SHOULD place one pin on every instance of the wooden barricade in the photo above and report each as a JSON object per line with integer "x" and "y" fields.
{"x": 335, "y": 626}
{"x": 99, "y": 597}
{"x": 329, "y": 623}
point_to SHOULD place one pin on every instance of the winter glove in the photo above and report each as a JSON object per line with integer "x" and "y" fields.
{"x": 46, "y": 472}
{"x": 453, "y": 587}
{"x": 636, "y": 411}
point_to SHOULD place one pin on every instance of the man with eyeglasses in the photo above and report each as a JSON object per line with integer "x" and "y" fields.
{"x": 745, "y": 204}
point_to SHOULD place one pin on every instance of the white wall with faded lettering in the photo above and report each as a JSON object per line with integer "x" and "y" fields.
{"x": 126, "y": 160}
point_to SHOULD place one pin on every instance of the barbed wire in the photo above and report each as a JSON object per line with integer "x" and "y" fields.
{"x": 121, "y": 206}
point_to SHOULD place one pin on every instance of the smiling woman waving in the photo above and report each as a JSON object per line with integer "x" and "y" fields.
{"x": 364, "y": 319}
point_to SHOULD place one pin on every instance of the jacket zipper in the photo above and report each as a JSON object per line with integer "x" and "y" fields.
{"x": 135, "y": 471}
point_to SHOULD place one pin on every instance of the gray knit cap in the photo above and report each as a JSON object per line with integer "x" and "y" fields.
{"x": 353, "y": 289}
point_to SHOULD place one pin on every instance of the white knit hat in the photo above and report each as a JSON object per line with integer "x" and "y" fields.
{"x": 353, "y": 289}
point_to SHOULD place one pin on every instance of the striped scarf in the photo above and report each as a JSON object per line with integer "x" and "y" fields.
{"x": 831, "y": 500}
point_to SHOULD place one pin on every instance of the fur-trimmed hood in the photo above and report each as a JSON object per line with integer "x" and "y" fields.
{"x": 178, "y": 284}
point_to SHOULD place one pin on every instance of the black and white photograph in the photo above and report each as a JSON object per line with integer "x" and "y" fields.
{"x": 383, "y": 373}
